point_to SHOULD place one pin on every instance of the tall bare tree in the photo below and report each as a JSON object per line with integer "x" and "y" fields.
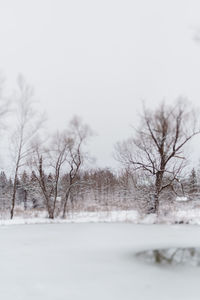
{"x": 47, "y": 163}
{"x": 76, "y": 138}
{"x": 158, "y": 146}
{"x": 28, "y": 123}
{"x": 63, "y": 155}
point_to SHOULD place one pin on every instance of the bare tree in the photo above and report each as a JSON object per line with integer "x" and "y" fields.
{"x": 49, "y": 160}
{"x": 76, "y": 138}
{"x": 5, "y": 109}
{"x": 63, "y": 155}
{"x": 4, "y": 102}
{"x": 27, "y": 126}
{"x": 158, "y": 147}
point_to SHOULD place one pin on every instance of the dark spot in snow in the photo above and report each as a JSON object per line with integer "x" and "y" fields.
{"x": 171, "y": 256}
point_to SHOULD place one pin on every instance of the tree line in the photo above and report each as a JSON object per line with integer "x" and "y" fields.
{"x": 93, "y": 190}
{"x": 49, "y": 172}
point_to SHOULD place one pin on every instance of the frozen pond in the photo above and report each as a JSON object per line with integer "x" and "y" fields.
{"x": 94, "y": 261}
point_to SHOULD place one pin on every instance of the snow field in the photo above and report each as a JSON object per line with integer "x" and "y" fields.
{"x": 93, "y": 261}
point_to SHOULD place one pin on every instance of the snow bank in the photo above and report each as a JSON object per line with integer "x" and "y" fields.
{"x": 79, "y": 217}
{"x": 190, "y": 216}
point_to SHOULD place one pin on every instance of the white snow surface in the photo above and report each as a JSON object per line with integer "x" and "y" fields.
{"x": 189, "y": 216}
{"x": 80, "y": 217}
{"x": 88, "y": 261}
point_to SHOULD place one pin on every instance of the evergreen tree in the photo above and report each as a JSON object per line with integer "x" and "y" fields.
{"x": 193, "y": 184}
{"x": 4, "y": 199}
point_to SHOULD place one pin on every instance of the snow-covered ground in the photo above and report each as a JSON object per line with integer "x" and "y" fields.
{"x": 78, "y": 217}
{"x": 94, "y": 261}
{"x": 189, "y": 216}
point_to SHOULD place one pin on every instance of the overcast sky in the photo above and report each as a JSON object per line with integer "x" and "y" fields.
{"x": 100, "y": 59}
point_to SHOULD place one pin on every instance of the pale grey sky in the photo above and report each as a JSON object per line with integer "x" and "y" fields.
{"x": 100, "y": 59}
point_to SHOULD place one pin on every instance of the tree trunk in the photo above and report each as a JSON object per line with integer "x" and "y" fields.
{"x": 25, "y": 199}
{"x": 154, "y": 202}
{"x": 65, "y": 203}
{"x": 51, "y": 215}
{"x": 14, "y": 195}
